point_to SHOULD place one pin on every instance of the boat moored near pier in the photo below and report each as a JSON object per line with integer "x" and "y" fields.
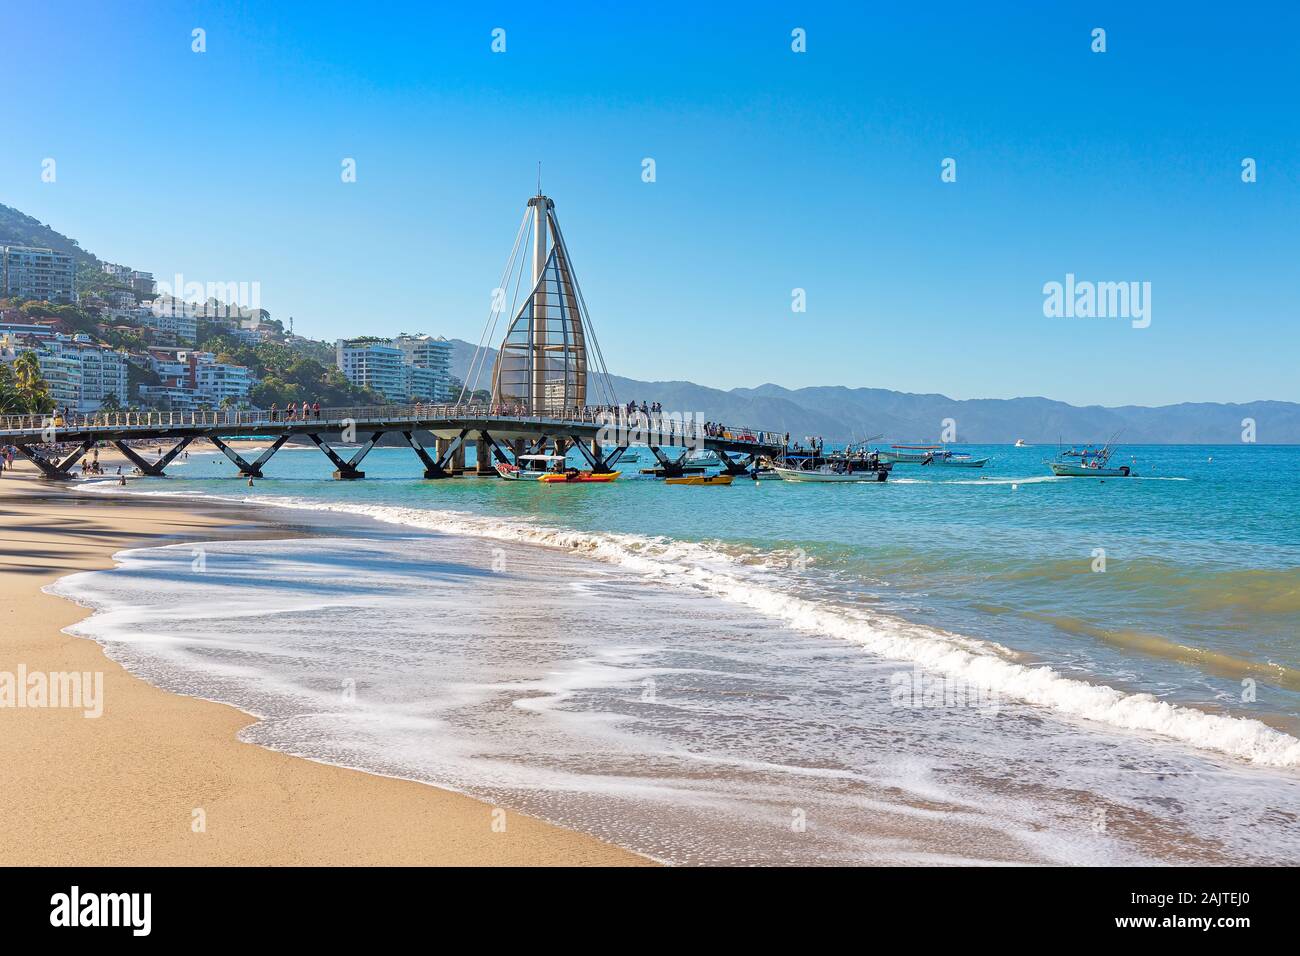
{"x": 859, "y": 465}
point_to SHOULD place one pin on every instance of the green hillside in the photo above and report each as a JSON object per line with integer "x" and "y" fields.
{"x": 18, "y": 229}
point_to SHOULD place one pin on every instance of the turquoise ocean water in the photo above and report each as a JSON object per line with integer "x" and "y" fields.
{"x": 1155, "y": 620}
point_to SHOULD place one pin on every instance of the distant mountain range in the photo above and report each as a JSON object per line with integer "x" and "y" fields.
{"x": 839, "y": 413}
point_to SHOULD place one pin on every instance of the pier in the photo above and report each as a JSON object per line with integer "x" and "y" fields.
{"x": 437, "y": 434}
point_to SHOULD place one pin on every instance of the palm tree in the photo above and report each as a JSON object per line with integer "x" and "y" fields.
{"x": 10, "y": 404}
{"x": 33, "y": 391}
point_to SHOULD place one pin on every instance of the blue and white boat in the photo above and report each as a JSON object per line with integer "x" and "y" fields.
{"x": 1088, "y": 463}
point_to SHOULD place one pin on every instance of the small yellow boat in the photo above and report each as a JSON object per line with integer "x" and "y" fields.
{"x": 700, "y": 480}
{"x": 574, "y": 476}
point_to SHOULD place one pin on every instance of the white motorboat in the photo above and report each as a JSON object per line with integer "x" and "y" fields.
{"x": 530, "y": 467}
{"x": 829, "y": 473}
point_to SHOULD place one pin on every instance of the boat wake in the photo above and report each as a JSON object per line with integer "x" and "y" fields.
{"x": 1031, "y": 480}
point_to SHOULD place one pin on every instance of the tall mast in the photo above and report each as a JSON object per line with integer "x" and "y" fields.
{"x": 541, "y": 248}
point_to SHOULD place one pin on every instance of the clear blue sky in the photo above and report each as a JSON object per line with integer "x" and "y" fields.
{"x": 775, "y": 170}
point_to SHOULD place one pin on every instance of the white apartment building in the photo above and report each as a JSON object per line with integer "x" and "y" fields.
{"x": 375, "y": 365}
{"x": 433, "y": 355}
{"x": 36, "y": 273}
{"x": 215, "y": 382}
{"x": 424, "y": 384}
{"x": 409, "y": 368}
{"x": 63, "y": 376}
{"x": 103, "y": 372}
{"x": 80, "y": 373}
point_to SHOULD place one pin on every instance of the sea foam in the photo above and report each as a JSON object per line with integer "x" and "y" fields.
{"x": 713, "y": 570}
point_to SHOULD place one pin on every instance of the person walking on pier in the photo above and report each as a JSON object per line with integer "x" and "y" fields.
{"x": 315, "y": 409}
{"x": 274, "y": 411}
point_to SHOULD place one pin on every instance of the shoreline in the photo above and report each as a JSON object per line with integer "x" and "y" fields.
{"x": 163, "y": 779}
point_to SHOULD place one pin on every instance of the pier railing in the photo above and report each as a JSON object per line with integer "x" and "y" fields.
{"x": 418, "y": 415}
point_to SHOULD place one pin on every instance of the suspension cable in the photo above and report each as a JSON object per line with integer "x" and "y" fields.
{"x": 607, "y": 387}
{"x": 480, "y": 355}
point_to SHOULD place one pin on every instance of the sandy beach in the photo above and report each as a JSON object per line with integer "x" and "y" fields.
{"x": 161, "y": 779}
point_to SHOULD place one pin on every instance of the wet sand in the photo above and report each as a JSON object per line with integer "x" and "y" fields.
{"x": 161, "y": 779}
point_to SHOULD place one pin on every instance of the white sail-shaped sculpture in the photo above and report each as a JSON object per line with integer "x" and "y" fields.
{"x": 542, "y": 364}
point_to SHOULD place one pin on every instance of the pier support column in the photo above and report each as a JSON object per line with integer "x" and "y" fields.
{"x": 731, "y": 467}
{"x": 347, "y": 470}
{"x": 598, "y": 461}
{"x": 53, "y": 469}
{"x": 154, "y": 469}
{"x": 483, "y": 464}
{"x": 669, "y": 467}
{"x": 246, "y": 468}
{"x": 449, "y": 455}
{"x": 432, "y": 469}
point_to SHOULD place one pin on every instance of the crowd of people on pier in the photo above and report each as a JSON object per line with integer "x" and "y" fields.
{"x": 310, "y": 411}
